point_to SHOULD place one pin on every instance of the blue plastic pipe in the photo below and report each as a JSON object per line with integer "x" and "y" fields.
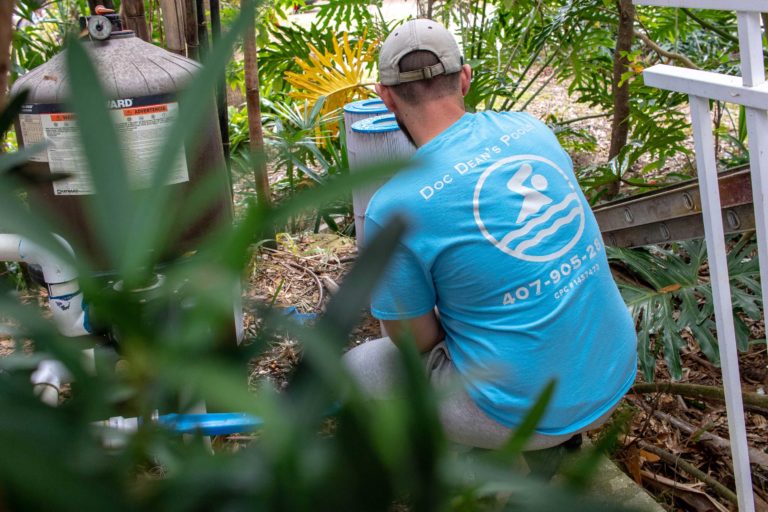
{"x": 212, "y": 424}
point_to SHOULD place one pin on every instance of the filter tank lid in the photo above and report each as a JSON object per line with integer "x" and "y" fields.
{"x": 369, "y": 106}
{"x": 378, "y": 124}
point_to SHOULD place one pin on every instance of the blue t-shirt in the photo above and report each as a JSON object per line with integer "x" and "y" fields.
{"x": 503, "y": 242}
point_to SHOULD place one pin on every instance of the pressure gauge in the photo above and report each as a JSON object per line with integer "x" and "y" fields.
{"x": 99, "y": 27}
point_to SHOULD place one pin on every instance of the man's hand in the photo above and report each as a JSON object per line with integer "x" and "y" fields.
{"x": 425, "y": 330}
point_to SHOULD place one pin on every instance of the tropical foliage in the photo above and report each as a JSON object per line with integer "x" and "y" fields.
{"x": 669, "y": 293}
{"x": 337, "y": 76}
{"x": 366, "y": 458}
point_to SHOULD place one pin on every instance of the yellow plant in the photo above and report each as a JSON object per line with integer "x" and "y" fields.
{"x": 337, "y": 75}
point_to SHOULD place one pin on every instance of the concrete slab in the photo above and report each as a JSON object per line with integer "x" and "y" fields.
{"x": 612, "y": 485}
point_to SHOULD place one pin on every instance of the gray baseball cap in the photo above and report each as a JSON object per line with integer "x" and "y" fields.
{"x": 421, "y": 34}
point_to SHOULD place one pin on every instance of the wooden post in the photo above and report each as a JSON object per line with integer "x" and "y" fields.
{"x": 253, "y": 105}
{"x": 173, "y": 21}
{"x": 132, "y": 12}
{"x": 190, "y": 30}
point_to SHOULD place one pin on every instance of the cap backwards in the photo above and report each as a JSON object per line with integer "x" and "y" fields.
{"x": 421, "y": 34}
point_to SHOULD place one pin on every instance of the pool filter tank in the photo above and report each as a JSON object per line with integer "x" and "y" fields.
{"x": 373, "y": 140}
{"x": 142, "y": 82}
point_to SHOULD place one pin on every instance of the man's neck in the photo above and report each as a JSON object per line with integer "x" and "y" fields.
{"x": 431, "y": 119}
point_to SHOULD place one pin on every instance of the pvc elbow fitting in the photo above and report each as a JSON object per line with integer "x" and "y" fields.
{"x": 48, "y": 379}
{"x": 55, "y": 271}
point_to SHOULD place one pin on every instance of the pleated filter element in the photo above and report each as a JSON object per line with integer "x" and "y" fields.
{"x": 372, "y": 141}
{"x": 362, "y": 109}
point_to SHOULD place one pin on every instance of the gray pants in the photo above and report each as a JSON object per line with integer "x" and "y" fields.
{"x": 376, "y": 366}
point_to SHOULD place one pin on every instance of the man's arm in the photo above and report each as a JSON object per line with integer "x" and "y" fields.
{"x": 425, "y": 330}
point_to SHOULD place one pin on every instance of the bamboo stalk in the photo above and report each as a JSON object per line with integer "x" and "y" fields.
{"x": 134, "y": 18}
{"x": 221, "y": 87}
{"x": 173, "y": 21}
{"x": 202, "y": 28}
{"x": 6, "y": 36}
{"x": 253, "y": 105}
{"x": 190, "y": 29}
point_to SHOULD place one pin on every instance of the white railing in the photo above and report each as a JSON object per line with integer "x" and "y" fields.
{"x": 750, "y": 90}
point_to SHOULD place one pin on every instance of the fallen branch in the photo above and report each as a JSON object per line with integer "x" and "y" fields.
{"x": 692, "y": 470}
{"x": 699, "y": 391}
{"x": 707, "y": 438}
{"x": 330, "y": 284}
{"x": 321, "y": 290}
{"x": 695, "y": 498}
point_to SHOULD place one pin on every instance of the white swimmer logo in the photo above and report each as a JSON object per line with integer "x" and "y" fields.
{"x": 541, "y": 215}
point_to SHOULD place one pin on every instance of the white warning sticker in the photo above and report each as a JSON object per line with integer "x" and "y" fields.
{"x": 142, "y": 131}
{"x": 32, "y": 133}
{"x": 65, "y": 155}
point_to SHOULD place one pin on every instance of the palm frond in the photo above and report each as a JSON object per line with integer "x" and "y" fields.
{"x": 338, "y": 74}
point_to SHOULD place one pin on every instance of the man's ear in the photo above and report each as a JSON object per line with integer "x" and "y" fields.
{"x": 465, "y": 79}
{"x": 385, "y": 93}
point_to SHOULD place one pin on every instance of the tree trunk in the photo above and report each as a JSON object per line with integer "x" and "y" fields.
{"x": 173, "y": 21}
{"x": 190, "y": 29}
{"x": 6, "y": 36}
{"x": 620, "y": 124}
{"x": 424, "y": 8}
{"x": 253, "y": 104}
{"x": 132, "y": 12}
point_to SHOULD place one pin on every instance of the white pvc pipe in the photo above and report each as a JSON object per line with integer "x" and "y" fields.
{"x": 55, "y": 271}
{"x": 65, "y": 301}
{"x": 47, "y": 380}
{"x": 50, "y": 375}
{"x": 9, "y": 247}
{"x": 64, "y": 296}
